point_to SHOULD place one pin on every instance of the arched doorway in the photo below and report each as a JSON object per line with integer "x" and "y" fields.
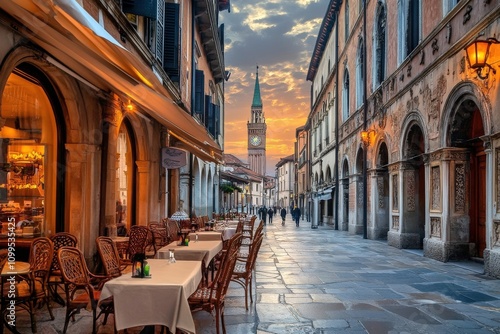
{"x": 413, "y": 173}
{"x": 380, "y": 194}
{"x": 126, "y": 178}
{"x": 465, "y": 131}
{"x": 345, "y": 196}
{"x": 32, "y": 154}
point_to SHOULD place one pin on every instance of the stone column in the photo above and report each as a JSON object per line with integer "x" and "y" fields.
{"x": 82, "y": 195}
{"x": 112, "y": 116}
{"x": 143, "y": 197}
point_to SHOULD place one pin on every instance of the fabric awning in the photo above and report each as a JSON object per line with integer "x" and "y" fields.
{"x": 71, "y": 36}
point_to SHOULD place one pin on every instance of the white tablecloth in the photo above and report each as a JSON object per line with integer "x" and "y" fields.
{"x": 159, "y": 300}
{"x": 226, "y": 234}
{"x": 196, "y": 251}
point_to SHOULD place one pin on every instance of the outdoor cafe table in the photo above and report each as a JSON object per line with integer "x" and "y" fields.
{"x": 203, "y": 251}
{"x": 159, "y": 300}
{"x": 224, "y": 234}
{"x": 196, "y": 251}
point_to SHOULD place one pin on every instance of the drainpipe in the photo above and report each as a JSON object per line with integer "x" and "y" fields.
{"x": 365, "y": 113}
{"x": 336, "y": 171}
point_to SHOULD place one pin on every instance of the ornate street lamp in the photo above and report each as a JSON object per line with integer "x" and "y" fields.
{"x": 477, "y": 53}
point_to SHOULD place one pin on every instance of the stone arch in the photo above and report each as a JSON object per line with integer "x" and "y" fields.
{"x": 461, "y": 93}
{"x": 466, "y": 121}
{"x": 328, "y": 173}
{"x": 412, "y": 119}
{"x": 380, "y": 213}
{"x": 196, "y": 188}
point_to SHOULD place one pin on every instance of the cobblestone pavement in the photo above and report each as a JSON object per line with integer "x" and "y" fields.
{"x": 325, "y": 281}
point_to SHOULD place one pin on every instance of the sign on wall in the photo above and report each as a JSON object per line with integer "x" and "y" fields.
{"x": 173, "y": 158}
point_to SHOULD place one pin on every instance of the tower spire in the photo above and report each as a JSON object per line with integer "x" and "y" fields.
{"x": 257, "y": 101}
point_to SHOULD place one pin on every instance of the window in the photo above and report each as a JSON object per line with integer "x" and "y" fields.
{"x": 345, "y": 96}
{"x": 360, "y": 80}
{"x": 379, "y": 39}
{"x": 409, "y": 14}
{"x": 346, "y": 19}
{"x": 448, "y": 5}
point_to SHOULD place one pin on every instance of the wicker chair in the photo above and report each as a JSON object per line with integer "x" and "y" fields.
{"x": 81, "y": 286}
{"x": 31, "y": 290}
{"x": 61, "y": 239}
{"x": 159, "y": 233}
{"x": 173, "y": 230}
{"x": 110, "y": 259}
{"x": 212, "y": 297}
{"x": 137, "y": 242}
{"x": 243, "y": 269}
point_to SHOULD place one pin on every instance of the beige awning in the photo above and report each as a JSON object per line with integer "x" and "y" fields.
{"x": 71, "y": 36}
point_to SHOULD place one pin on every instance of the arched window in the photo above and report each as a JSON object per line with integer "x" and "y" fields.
{"x": 345, "y": 96}
{"x": 360, "y": 80}
{"x": 379, "y": 41}
{"x": 409, "y": 18}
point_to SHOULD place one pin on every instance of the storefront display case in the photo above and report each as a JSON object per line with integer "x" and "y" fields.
{"x": 22, "y": 190}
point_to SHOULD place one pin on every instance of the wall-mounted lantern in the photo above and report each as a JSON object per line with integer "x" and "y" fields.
{"x": 367, "y": 136}
{"x": 477, "y": 56}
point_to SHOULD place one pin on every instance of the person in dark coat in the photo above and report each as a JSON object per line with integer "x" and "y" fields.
{"x": 270, "y": 213}
{"x": 296, "y": 216}
{"x": 283, "y": 215}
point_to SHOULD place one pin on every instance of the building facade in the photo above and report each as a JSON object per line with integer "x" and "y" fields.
{"x": 417, "y": 128}
{"x": 286, "y": 182}
{"x": 96, "y": 99}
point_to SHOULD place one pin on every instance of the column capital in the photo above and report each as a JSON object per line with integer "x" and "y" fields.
{"x": 143, "y": 166}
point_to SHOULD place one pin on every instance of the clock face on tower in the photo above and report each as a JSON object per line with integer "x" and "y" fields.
{"x": 255, "y": 140}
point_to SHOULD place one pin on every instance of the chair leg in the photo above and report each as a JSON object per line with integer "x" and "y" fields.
{"x": 94, "y": 319}
{"x": 49, "y": 308}
{"x": 250, "y": 287}
{"x": 66, "y": 321}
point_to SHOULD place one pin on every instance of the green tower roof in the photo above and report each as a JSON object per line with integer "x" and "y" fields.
{"x": 257, "y": 101}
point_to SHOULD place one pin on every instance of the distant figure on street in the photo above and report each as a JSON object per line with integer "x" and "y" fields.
{"x": 270, "y": 213}
{"x": 264, "y": 215}
{"x": 283, "y": 215}
{"x": 296, "y": 215}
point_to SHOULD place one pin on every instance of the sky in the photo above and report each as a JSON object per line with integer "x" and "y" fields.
{"x": 278, "y": 36}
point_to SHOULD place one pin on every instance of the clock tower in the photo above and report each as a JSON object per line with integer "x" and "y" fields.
{"x": 257, "y": 132}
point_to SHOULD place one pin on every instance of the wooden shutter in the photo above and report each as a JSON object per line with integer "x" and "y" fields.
{"x": 199, "y": 92}
{"x": 171, "y": 52}
{"x": 160, "y": 31}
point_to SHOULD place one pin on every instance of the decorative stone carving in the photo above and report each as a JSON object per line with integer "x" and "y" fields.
{"x": 462, "y": 64}
{"x": 467, "y": 14}
{"x": 381, "y": 192}
{"x": 395, "y": 195}
{"x": 435, "y": 46}
{"x": 360, "y": 193}
{"x": 408, "y": 71}
{"x": 410, "y": 190}
{"x": 422, "y": 57}
{"x": 436, "y": 188}
{"x": 460, "y": 188}
{"x": 448, "y": 33}
{"x": 496, "y": 233}
{"x": 497, "y": 151}
{"x": 436, "y": 227}
{"x": 395, "y": 223}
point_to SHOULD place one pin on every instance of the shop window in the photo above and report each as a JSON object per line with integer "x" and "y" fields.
{"x": 29, "y": 140}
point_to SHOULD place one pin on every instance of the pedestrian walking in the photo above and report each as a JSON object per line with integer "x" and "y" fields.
{"x": 264, "y": 215}
{"x": 296, "y": 216}
{"x": 270, "y": 213}
{"x": 283, "y": 215}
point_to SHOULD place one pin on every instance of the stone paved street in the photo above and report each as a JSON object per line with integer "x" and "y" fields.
{"x": 326, "y": 281}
